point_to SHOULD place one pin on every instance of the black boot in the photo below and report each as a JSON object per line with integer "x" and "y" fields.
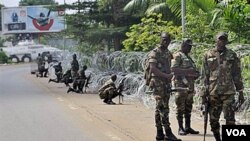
{"x": 217, "y": 136}
{"x": 69, "y": 90}
{"x": 159, "y": 135}
{"x": 181, "y": 130}
{"x": 111, "y": 102}
{"x": 170, "y": 136}
{"x": 188, "y": 128}
{"x": 105, "y": 100}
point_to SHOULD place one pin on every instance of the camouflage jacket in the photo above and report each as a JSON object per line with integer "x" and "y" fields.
{"x": 82, "y": 74}
{"x": 74, "y": 65}
{"x": 182, "y": 61}
{"x": 107, "y": 85}
{"x": 222, "y": 72}
{"x": 39, "y": 60}
{"x": 58, "y": 68}
{"x": 161, "y": 58}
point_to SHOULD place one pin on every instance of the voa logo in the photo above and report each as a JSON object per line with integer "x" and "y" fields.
{"x": 236, "y": 132}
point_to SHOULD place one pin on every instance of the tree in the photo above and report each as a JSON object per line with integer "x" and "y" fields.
{"x": 170, "y": 9}
{"x": 145, "y": 35}
{"x": 100, "y": 22}
{"x": 233, "y": 17}
{"x": 118, "y": 21}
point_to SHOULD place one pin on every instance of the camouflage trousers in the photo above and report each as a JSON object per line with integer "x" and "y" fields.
{"x": 184, "y": 102}
{"x": 108, "y": 93}
{"x": 162, "y": 103}
{"x": 219, "y": 103}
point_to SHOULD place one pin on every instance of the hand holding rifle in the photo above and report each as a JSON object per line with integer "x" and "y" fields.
{"x": 189, "y": 72}
{"x": 120, "y": 89}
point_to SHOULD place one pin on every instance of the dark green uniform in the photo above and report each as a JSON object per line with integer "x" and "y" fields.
{"x": 159, "y": 86}
{"x": 184, "y": 99}
{"x": 222, "y": 78}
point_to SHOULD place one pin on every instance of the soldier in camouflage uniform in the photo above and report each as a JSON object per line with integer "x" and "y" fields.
{"x": 67, "y": 78}
{"x": 160, "y": 63}
{"x": 80, "y": 81}
{"x": 74, "y": 69}
{"x": 222, "y": 70}
{"x": 108, "y": 90}
{"x": 182, "y": 62}
{"x": 58, "y": 73}
{"x": 39, "y": 61}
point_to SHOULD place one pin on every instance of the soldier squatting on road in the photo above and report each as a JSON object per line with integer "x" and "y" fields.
{"x": 108, "y": 90}
{"x": 58, "y": 73}
{"x": 81, "y": 81}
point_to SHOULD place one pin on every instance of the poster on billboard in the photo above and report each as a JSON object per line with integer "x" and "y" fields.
{"x": 31, "y": 19}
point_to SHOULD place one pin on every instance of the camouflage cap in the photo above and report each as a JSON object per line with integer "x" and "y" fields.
{"x": 222, "y": 35}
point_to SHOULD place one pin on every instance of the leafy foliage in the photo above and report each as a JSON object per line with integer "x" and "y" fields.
{"x": 170, "y": 9}
{"x": 199, "y": 29}
{"x": 3, "y": 57}
{"x": 144, "y": 36}
{"x": 237, "y": 19}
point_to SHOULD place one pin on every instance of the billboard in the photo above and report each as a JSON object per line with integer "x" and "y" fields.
{"x": 31, "y": 19}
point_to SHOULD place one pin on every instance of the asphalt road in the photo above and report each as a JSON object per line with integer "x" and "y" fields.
{"x": 29, "y": 113}
{"x": 31, "y": 109}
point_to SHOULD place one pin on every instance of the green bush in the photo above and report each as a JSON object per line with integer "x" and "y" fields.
{"x": 145, "y": 35}
{"x": 3, "y": 58}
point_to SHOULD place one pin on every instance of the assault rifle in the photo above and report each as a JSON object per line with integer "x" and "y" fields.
{"x": 87, "y": 82}
{"x": 170, "y": 90}
{"x": 238, "y": 103}
{"x": 205, "y": 112}
{"x": 178, "y": 89}
{"x": 186, "y": 72}
{"x": 120, "y": 89}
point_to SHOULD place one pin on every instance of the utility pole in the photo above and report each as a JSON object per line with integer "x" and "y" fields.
{"x": 183, "y": 16}
{"x": 64, "y": 41}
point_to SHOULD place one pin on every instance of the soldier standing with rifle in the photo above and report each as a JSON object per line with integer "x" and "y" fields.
{"x": 160, "y": 81}
{"x": 74, "y": 69}
{"x": 185, "y": 74}
{"x": 222, "y": 79}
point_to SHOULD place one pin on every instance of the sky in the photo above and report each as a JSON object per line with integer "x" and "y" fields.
{"x": 14, "y": 3}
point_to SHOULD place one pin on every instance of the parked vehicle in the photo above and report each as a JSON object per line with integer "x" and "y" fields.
{"x": 27, "y": 51}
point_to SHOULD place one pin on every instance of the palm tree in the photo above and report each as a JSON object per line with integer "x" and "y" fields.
{"x": 168, "y": 8}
